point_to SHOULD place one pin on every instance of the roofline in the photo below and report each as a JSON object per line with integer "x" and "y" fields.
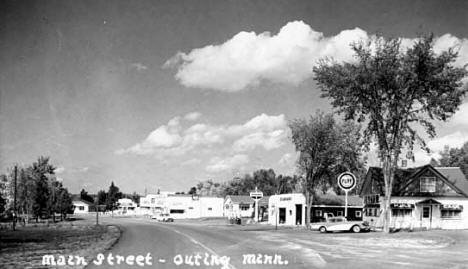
{"x": 414, "y": 176}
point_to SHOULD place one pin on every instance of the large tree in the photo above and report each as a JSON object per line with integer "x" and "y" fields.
{"x": 392, "y": 90}
{"x": 86, "y": 197}
{"x": 113, "y": 195}
{"x": 326, "y": 149}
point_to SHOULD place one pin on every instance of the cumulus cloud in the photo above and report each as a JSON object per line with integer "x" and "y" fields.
{"x": 139, "y": 66}
{"x": 461, "y": 116}
{"x": 59, "y": 170}
{"x": 192, "y": 161}
{"x": 172, "y": 139}
{"x": 288, "y": 57}
{"x": 218, "y": 164}
{"x": 192, "y": 116}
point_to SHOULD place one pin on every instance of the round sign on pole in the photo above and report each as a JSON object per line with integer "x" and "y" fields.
{"x": 347, "y": 181}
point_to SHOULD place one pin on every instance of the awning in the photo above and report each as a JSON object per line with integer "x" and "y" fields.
{"x": 402, "y": 205}
{"x": 452, "y": 206}
{"x": 429, "y": 202}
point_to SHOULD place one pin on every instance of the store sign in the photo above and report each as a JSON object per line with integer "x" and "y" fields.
{"x": 347, "y": 181}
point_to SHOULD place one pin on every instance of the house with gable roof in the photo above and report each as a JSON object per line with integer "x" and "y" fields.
{"x": 424, "y": 197}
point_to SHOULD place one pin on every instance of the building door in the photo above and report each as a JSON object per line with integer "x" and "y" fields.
{"x": 426, "y": 216}
{"x": 298, "y": 214}
{"x": 282, "y": 215}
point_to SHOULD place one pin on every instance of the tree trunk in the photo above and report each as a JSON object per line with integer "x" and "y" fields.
{"x": 388, "y": 173}
{"x": 308, "y": 208}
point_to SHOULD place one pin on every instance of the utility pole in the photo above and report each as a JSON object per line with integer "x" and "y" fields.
{"x": 14, "y": 197}
{"x": 97, "y": 211}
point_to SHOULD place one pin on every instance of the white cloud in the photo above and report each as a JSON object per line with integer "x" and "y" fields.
{"x": 193, "y": 161}
{"x": 461, "y": 116}
{"x": 139, "y": 66}
{"x": 268, "y": 132}
{"x": 193, "y": 116}
{"x": 454, "y": 140}
{"x": 286, "y": 159}
{"x": 218, "y": 164}
{"x": 288, "y": 57}
{"x": 267, "y": 140}
{"x": 59, "y": 170}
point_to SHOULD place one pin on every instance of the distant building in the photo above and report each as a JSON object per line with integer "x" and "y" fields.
{"x": 287, "y": 209}
{"x": 290, "y": 209}
{"x": 422, "y": 198}
{"x": 182, "y": 206}
{"x": 81, "y": 206}
{"x": 127, "y": 206}
{"x": 334, "y": 205}
{"x": 243, "y": 206}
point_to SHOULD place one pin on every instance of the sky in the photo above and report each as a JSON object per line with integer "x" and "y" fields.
{"x": 164, "y": 94}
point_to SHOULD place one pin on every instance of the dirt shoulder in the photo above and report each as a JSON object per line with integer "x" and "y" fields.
{"x": 25, "y": 247}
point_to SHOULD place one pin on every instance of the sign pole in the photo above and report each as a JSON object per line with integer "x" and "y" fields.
{"x": 346, "y": 205}
{"x": 256, "y": 196}
{"x": 346, "y": 181}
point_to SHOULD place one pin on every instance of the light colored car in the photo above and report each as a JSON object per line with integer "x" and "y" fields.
{"x": 340, "y": 224}
{"x": 164, "y": 217}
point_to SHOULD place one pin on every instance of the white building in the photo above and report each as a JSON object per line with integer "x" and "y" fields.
{"x": 182, "y": 206}
{"x": 127, "y": 206}
{"x": 287, "y": 209}
{"x": 422, "y": 198}
{"x": 81, "y": 207}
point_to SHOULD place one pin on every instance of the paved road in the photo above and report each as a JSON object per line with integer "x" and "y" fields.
{"x": 222, "y": 246}
{"x": 217, "y": 247}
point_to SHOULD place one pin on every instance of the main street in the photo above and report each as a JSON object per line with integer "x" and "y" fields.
{"x": 167, "y": 242}
{"x": 173, "y": 245}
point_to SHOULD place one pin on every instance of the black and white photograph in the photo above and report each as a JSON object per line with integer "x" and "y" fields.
{"x": 234, "y": 134}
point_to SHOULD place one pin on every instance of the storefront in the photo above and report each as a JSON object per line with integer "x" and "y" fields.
{"x": 432, "y": 198}
{"x": 287, "y": 209}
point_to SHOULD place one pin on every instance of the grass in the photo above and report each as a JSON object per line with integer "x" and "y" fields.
{"x": 25, "y": 247}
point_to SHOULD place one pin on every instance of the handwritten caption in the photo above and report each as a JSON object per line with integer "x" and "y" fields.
{"x": 195, "y": 259}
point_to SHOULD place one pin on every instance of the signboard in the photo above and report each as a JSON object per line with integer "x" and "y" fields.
{"x": 347, "y": 181}
{"x": 256, "y": 195}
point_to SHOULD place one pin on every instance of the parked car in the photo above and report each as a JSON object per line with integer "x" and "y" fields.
{"x": 164, "y": 217}
{"x": 340, "y": 224}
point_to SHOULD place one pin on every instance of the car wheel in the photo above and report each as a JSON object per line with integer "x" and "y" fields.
{"x": 356, "y": 229}
{"x": 323, "y": 229}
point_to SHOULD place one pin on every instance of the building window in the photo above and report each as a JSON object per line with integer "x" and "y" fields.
{"x": 401, "y": 212}
{"x": 339, "y": 213}
{"x": 81, "y": 208}
{"x": 428, "y": 184}
{"x": 358, "y": 214}
{"x": 318, "y": 213}
{"x": 153, "y": 200}
{"x": 450, "y": 213}
{"x": 371, "y": 212}
{"x": 210, "y": 208}
{"x": 190, "y": 208}
{"x": 176, "y": 211}
{"x": 244, "y": 207}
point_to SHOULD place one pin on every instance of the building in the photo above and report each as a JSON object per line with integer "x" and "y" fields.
{"x": 127, "y": 206}
{"x": 334, "y": 205}
{"x": 290, "y": 209}
{"x": 152, "y": 204}
{"x": 287, "y": 209}
{"x": 422, "y": 198}
{"x": 243, "y": 206}
{"x": 81, "y": 207}
{"x": 182, "y": 206}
